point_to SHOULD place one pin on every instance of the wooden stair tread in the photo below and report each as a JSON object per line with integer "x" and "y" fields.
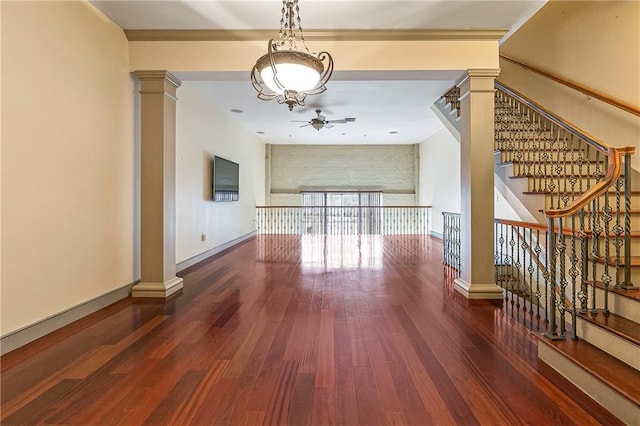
{"x": 567, "y": 192}
{"x": 527, "y": 176}
{"x": 567, "y": 231}
{"x": 588, "y": 212}
{"x": 635, "y": 261}
{"x": 549, "y": 163}
{"x": 620, "y": 326}
{"x": 620, "y": 376}
{"x": 631, "y": 294}
{"x": 537, "y": 150}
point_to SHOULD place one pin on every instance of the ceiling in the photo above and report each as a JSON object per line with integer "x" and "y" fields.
{"x": 382, "y": 103}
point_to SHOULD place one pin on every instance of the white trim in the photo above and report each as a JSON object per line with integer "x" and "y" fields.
{"x": 477, "y": 291}
{"x": 29, "y": 333}
{"x": 603, "y": 394}
{"x": 436, "y": 234}
{"x": 181, "y": 266}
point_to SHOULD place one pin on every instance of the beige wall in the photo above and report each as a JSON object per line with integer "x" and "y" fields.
{"x": 593, "y": 43}
{"x": 68, "y": 200}
{"x": 202, "y": 131}
{"x": 390, "y": 168}
{"x": 440, "y": 176}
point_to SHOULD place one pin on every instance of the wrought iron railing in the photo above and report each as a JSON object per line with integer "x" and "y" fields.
{"x": 521, "y": 265}
{"x": 588, "y": 203}
{"x": 586, "y": 243}
{"x": 451, "y": 241}
{"x": 357, "y": 220}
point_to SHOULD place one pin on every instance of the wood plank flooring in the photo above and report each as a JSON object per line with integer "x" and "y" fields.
{"x": 290, "y": 330}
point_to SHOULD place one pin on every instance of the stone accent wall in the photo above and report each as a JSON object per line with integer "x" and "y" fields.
{"x": 389, "y": 168}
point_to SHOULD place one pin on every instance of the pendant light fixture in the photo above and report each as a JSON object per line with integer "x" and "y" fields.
{"x": 285, "y": 73}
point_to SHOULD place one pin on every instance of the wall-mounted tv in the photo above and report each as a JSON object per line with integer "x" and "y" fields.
{"x": 226, "y": 180}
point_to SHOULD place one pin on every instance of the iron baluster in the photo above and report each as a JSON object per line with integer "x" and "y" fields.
{"x": 627, "y": 284}
{"x": 606, "y": 277}
{"x": 561, "y": 249}
{"x": 595, "y": 249}
{"x": 552, "y": 332}
{"x": 573, "y": 273}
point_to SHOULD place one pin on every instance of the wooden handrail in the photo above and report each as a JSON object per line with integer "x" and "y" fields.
{"x": 614, "y": 170}
{"x": 625, "y": 106}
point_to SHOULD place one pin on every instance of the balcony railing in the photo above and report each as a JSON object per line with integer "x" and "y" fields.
{"x": 357, "y": 220}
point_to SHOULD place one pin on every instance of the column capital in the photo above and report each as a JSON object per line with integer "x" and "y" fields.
{"x": 158, "y": 75}
{"x": 477, "y": 80}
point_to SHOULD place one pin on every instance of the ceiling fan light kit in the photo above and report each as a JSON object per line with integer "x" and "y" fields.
{"x": 320, "y": 121}
{"x": 285, "y": 73}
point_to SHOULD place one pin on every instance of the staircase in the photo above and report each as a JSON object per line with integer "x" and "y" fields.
{"x": 579, "y": 267}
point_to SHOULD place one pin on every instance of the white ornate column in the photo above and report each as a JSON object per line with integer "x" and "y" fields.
{"x": 477, "y": 280}
{"x": 158, "y": 171}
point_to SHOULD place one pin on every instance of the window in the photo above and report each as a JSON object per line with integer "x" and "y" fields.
{"x": 342, "y": 213}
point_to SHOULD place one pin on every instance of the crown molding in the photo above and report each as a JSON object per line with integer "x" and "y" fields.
{"x": 320, "y": 35}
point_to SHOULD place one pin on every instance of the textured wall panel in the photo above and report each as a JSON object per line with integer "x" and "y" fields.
{"x": 390, "y": 168}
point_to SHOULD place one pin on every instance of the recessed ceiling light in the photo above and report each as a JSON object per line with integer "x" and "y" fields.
{"x": 237, "y": 111}
{"x": 393, "y": 132}
{"x": 260, "y": 133}
{"x": 343, "y": 134}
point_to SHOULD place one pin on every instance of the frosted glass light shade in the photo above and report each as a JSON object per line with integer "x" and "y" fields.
{"x": 292, "y": 76}
{"x": 297, "y": 71}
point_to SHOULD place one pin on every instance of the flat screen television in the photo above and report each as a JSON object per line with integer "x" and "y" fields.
{"x": 226, "y": 180}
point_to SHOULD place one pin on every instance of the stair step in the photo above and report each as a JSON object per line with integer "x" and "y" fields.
{"x": 590, "y": 213}
{"x": 624, "y": 303}
{"x": 609, "y": 381}
{"x": 575, "y": 193}
{"x": 548, "y": 176}
{"x": 550, "y": 163}
{"x": 613, "y": 334}
{"x": 567, "y": 231}
{"x": 633, "y": 211}
{"x": 620, "y": 326}
{"x": 576, "y": 149}
{"x": 631, "y": 294}
{"x": 635, "y": 261}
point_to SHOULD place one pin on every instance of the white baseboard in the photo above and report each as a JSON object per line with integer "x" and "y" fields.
{"x": 180, "y": 266}
{"x": 436, "y": 234}
{"x": 28, "y": 334}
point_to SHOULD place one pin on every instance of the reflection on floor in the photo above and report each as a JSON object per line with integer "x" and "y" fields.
{"x": 317, "y": 253}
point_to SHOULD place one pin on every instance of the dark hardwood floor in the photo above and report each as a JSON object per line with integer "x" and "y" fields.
{"x": 301, "y": 331}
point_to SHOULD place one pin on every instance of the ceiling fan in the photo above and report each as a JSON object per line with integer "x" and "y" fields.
{"x": 320, "y": 121}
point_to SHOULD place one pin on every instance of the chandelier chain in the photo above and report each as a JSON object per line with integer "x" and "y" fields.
{"x": 287, "y": 37}
{"x": 304, "y": 43}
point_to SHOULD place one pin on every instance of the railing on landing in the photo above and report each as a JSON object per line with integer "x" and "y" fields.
{"x": 356, "y": 220}
{"x": 587, "y": 241}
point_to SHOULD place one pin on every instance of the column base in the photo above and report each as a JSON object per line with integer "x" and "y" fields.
{"x": 478, "y": 291}
{"x": 164, "y": 290}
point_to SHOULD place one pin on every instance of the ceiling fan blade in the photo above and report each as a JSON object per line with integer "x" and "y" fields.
{"x": 342, "y": 121}
{"x": 328, "y": 126}
{"x": 305, "y": 125}
{"x": 299, "y": 121}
